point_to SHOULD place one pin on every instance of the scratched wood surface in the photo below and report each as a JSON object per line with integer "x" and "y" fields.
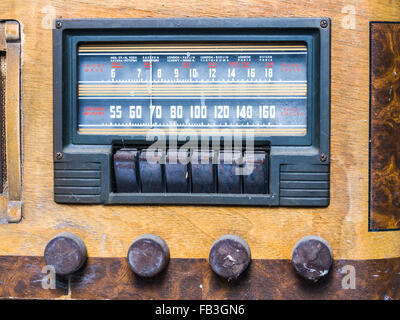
{"x": 190, "y": 231}
{"x": 111, "y": 278}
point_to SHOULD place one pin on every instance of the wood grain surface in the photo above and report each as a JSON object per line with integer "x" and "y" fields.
{"x": 385, "y": 126}
{"x": 189, "y": 231}
{"x": 111, "y": 278}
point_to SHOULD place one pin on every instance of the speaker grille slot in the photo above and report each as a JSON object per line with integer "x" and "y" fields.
{"x": 3, "y": 164}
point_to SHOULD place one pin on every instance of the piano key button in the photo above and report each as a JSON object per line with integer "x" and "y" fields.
{"x": 229, "y": 172}
{"x": 203, "y": 177}
{"x": 151, "y": 176}
{"x": 125, "y": 165}
{"x": 254, "y": 173}
{"x": 176, "y": 171}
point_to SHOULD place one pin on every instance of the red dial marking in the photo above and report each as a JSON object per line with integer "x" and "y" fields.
{"x": 289, "y": 111}
{"x": 291, "y": 67}
{"x": 93, "y": 67}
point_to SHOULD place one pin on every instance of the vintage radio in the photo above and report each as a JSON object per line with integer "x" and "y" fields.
{"x": 246, "y": 151}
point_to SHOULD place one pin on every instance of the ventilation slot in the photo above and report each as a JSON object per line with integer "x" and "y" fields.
{"x": 304, "y": 185}
{"x": 77, "y": 181}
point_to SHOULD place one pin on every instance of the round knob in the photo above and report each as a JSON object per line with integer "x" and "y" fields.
{"x": 66, "y": 252}
{"x": 312, "y": 258}
{"x": 148, "y": 255}
{"x": 229, "y": 256}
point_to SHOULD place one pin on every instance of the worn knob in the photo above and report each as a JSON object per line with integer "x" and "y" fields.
{"x": 312, "y": 258}
{"x": 66, "y": 252}
{"x": 148, "y": 255}
{"x": 229, "y": 256}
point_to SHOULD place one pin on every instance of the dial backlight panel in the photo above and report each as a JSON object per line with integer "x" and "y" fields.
{"x": 129, "y": 88}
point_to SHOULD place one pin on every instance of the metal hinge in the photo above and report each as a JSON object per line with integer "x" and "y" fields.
{"x": 11, "y": 198}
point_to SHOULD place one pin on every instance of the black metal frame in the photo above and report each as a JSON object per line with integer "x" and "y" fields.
{"x": 75, "y": 148}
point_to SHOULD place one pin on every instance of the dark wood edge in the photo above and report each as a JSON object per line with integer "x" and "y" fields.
{"x": 111, "y": 278}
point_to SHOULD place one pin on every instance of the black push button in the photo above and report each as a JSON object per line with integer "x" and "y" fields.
{"x": 176, "y": 171}
{"x": 203, "y": 177}
{"x": 125, "y": 164}
{"x": 229, "y": 172}
{"x": 254, "y": 172}
{"x": 150, "y": 171}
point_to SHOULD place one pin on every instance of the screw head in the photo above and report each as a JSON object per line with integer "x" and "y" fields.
{"x": 58, "y": 24}
{"x": 312, "y": 258}
{"x": 59, "y": 155}
{"x": 229, "y": 256}
{"x": 323, "y": 157}
{"x": 148, "y": 255}
{"x": 66, "y": 252}
{"x": 324, "y": 23}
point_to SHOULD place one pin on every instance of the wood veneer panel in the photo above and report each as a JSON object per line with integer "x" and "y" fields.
{"x": 385, "y": 126}
{"x": 111, "y": 278}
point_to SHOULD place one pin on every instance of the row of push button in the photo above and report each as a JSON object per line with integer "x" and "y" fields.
{"x": 233, "y": 172}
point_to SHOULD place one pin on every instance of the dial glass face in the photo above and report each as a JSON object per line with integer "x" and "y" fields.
{"x": 129, "y": 89}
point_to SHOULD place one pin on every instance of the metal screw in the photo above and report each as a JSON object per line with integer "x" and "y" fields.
{"x": 324, "y": 23}
{"x": 59, "y": 155}
{"x": 312, "y": 258}
{"x": 323, "y": 157}
{"x": 148, "y": 255}
{"x": 58, "y": 24}
{"x": 66, "y": 252}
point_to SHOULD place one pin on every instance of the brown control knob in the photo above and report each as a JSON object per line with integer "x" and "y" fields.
{"x": 66, "y": 252}
{"x": 229, "y": 256}
{"x": 148, "y": 255}
{"x": 312, "y": 258}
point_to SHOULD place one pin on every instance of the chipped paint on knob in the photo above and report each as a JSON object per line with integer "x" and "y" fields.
{"x": 229, "y": 256}
{"x": 312, "y": 258}
{"x": 148, "y": 255}
{"x": 66, "y": 252}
